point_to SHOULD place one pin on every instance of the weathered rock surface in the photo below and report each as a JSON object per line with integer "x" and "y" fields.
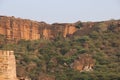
{"x": 16, "y": 29}
{"x": 83, "y": 63}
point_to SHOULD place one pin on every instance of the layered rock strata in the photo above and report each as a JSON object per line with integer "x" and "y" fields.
{"x": 15, "y": 29}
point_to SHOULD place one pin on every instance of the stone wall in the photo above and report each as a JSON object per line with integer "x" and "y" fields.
{"x": 7, "y": 65}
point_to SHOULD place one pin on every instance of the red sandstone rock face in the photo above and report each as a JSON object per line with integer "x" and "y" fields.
{"x": 16, "y": 29}
{"x": 69, "y": 29}
{"x": 83, "y": 63}
{"x": 63, "y": 29}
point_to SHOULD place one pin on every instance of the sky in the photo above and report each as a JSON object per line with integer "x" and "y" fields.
{"x": 62, "y": 11}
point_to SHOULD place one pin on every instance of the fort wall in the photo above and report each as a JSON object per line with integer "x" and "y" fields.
{"x": 7, "y": 65}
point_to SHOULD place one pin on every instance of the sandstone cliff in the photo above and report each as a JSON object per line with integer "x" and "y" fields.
{"x": 15, "y": 29}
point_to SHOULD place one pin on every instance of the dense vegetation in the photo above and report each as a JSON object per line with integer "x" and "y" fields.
{"x": 46, "y": 58}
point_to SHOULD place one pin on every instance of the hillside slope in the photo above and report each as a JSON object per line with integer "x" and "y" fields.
{"x": 92, "y": 52}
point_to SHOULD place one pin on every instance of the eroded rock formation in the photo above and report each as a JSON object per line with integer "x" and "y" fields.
{"x": 83, "y": 63}
{"x": 15, "y": 29}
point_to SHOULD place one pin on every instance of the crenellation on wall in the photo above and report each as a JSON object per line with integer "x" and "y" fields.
{"x": 7, "y": 65}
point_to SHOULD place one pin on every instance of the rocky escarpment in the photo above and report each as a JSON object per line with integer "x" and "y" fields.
{"x": 84, "y": 63}
{"x": 16, "y": 28}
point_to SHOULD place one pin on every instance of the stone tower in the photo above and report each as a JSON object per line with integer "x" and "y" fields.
{"x": 7, "y": 65}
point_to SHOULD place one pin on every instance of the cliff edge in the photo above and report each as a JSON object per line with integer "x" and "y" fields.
{"x": 15, "y": 29}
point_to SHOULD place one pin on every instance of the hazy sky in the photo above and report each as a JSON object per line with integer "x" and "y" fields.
{"x": 61, "y": 10}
